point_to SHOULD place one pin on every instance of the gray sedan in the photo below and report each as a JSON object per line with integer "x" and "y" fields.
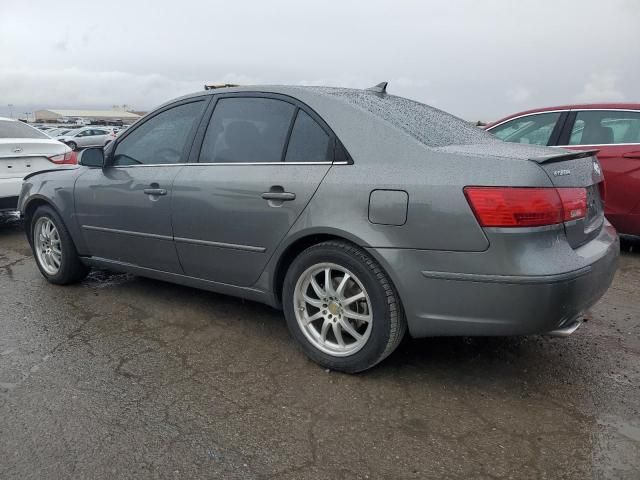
{"x": 361, "y": 214}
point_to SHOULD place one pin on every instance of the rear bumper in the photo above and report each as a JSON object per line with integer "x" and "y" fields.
{"x": 478, "y": 304}
{"x": 9, "y": 191}
{"x": 628, "y": 224}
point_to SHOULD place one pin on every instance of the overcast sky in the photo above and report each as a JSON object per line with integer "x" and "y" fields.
{"x": 476, "y": 59}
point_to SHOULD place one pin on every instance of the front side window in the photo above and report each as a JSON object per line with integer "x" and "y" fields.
{"x": 533, "y": 129}
{"x": 161, "y": 139}
{"x": 309, "y": 142}
{"x": 602, "y": 127}
{"x": 247, "y": 130}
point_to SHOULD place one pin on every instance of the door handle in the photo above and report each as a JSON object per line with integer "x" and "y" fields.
{"x": 155, "y": 191}
{"x": 282, "y": 196}
{"x": 631, "y": 155}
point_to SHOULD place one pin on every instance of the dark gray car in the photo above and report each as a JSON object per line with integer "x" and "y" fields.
{"x": 359, "y": 213}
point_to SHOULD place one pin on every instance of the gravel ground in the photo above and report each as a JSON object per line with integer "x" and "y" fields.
{"x": 123, "y": 377}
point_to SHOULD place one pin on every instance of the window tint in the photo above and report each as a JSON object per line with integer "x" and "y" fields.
{"x": 247, "y": 130}
{"x": 308, "y": 142}
{"x": 16, "y": 129}
{"x": 533, "y": 129}
{"x": 605, "y": 127}
{"x": 161, "y": 139}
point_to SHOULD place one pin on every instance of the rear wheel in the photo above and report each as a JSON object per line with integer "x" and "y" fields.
{"x": 341, "y": 307}
{"x": 53, "y": 248}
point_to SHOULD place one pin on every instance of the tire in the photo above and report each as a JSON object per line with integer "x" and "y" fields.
{"x": 70, "y": 269}
{"x": 72, "y": 145}
{"x": 373, "y": 340}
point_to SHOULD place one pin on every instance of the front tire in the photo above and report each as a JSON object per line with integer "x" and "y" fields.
{"x": 53, "y": 248}
{"x": 72, "y": 145}
{"x": 341, "y": 307}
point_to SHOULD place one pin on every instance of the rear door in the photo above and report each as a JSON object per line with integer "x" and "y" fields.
{"x": 124, "y": 209}
{"x": 616, "y": 134}
{"x": 99, "y": 137}
{"x": 261, "y": 160}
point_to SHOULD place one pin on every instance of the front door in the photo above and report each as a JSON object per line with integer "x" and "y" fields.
{"x": 124, "y": 209}
{"x": 261, "y": 161}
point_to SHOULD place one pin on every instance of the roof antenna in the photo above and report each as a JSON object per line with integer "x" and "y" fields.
{"x": 380, "y": 88}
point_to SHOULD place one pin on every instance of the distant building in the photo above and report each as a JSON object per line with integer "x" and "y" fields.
{"x": 94, "y": 116}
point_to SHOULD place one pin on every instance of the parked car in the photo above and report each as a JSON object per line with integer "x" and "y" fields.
{"x": 360, "y": 213}
{"x": 611, "y": 128}
{"x": 24, "y": 150}
{"x": 87, "y": 137}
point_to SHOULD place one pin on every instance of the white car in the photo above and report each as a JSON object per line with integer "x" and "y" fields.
{"x": 88, "y": 137}
{"x": 25, "y": 150}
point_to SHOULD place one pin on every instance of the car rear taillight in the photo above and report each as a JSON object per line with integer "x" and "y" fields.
{"x": 67, "y": 158}
{"x": 526, "y": 206}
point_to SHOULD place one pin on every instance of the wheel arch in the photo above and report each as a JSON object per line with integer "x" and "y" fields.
{"x": 30, "y": 208}
{"x": 298, "y": 243}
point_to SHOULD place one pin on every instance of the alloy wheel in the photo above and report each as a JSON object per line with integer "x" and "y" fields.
{"x": 48, "y": 246}
{"x": 333, "y": 309}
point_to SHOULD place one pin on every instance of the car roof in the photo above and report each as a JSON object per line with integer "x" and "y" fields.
{"x": 573, "y": 106}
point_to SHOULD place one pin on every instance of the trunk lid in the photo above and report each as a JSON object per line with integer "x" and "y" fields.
{"x": 564, "y": 168}
{"x": 578, "y": 169}
{"x": 22, "y": 156}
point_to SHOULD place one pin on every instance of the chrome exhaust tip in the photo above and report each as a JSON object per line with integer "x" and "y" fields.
{"x": 566, "y": 330}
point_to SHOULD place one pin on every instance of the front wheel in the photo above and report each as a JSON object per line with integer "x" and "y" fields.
{"x": 72, "y": 145}
{"x": 53, "y": 248}
{"x": 341, "y": 307}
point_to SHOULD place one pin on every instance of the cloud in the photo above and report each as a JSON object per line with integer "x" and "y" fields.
{"x": 74, "y": 87}
{"x": 519, "y": 94}
{"x": 601, "y": 87}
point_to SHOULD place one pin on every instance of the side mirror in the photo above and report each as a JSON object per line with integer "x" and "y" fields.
{"x": 91, "y": 157}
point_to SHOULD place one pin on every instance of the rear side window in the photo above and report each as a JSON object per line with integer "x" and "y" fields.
{"x": 161, "y": 139}
{"x": 247, "y": 130}
{"x": 309, "y": 142}
{"x": 532, "y": 129}
{"x": 598, "y": 127}
{"x": 15, "y": 129}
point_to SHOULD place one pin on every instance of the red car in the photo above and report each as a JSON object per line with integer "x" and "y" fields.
{"x": 611, "y": 128}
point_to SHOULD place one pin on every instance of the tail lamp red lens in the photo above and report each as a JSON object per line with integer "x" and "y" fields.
{"x": 67, "y": 158}
{"x": 526, "y": 207}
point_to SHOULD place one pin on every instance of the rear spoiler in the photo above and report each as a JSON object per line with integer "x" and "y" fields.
{"x": 561, "y": 157}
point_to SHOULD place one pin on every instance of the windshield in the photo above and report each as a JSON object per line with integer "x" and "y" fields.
{"x": 14, "y": 129}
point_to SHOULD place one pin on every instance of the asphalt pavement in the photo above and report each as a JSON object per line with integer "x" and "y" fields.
{"x": 124, "y": 377}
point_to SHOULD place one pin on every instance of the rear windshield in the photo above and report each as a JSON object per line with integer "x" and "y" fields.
{"x": 428, "y": 125}
{"x": 13, "y": 129}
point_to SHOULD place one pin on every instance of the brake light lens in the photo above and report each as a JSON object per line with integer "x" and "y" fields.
{"x": 574, "y": 203}
{"x": 525, "y": 206}
{"x": 67, "y": 158}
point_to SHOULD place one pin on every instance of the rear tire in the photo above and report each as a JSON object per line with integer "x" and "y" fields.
{"x": 53, "y": 248}
{"x": 332, "y": 328}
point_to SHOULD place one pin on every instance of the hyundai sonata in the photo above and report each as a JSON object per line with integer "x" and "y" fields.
{"x": 361, "y": 214}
